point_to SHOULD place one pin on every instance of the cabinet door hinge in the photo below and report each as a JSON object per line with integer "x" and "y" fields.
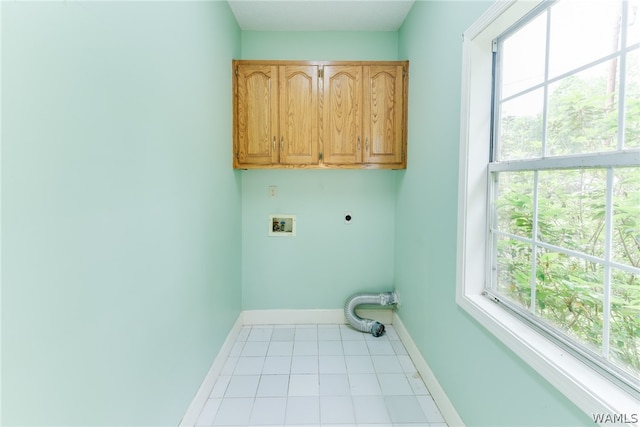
{"x": 321, "y": 72}
{"x": 404, "y": 72}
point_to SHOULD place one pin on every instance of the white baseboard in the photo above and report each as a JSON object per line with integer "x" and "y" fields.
{"x": 285, "y": 317}
{"x": 193, "y": 411}
{"x": 445, "y": 406}
{"x": 317, "y": 317}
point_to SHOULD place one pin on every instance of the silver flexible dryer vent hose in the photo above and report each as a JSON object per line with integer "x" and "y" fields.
{"x": 368, "y": 325}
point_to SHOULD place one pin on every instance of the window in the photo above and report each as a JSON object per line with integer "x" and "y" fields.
{"x": 550, "y": 170}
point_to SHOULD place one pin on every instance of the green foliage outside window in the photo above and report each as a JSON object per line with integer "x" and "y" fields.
{"x": 571, "y": 213}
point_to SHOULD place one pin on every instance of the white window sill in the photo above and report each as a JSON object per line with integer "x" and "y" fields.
{"x": 590, "y": 391}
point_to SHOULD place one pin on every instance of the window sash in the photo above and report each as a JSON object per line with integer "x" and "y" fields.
{"x": 585, "y": 387}
{"x": 604, "y": 160}
{"x": 620, "y": 54}
{"x": 598, "y": 361}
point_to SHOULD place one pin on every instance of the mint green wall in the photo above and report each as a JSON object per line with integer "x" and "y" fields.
{"x": 320, "y": 45}
{"x": 327, "y": 261}
{"x": 488, "y": 385}
{"x": 121, "y": 213}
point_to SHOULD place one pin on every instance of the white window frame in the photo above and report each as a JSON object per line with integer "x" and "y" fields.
{"x": 580, "y": 383}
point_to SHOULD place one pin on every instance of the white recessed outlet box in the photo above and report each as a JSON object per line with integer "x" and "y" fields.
{"x": 282, "y": 225}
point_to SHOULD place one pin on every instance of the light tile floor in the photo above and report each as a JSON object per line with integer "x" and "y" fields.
{"x": 322, "y": 375}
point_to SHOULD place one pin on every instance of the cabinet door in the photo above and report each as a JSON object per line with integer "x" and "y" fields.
{"x": 383, "y": 116}
{"x": 341, "y": 115}
{"x": 256, "y": 115}
{"x": 298, "y": 112}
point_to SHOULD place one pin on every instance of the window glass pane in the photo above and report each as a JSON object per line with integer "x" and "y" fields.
{"x": 521, "y": 127}
{"x": 569, "y": 295}
{"x": 633, "y": 25}
{"x": 514, "y": 271}
{"x": 579, "y": 97}
{"x": 571, "y": 209}
{"x": 583, "y": 112}
{"x": 514, "y": 203}
{"x": 626, "y": 217}
{"x": 624, "y": 343}
{"x": 582, "y": 32}
{"x": 522, "y": 57}
{"x": 632, "y": 100}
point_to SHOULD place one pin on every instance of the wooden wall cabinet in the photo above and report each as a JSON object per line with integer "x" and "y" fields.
{"x": 323, "y": 114}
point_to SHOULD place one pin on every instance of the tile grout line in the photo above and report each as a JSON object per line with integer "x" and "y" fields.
{"x": 248, "y": 335}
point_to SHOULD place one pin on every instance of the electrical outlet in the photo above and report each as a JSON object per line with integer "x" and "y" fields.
{"x": 348, "y": 218}
{"x": 273, "y": 191}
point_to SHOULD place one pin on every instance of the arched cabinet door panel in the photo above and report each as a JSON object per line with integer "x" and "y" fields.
{"x": 256, "y": 115}
{"x": 341, "y": 115}
{"x": 383, "y": 120}
{"x": 299, "y": 115}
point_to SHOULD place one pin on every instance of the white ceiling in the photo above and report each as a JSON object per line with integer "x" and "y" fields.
{"x": 320, "y": 15}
